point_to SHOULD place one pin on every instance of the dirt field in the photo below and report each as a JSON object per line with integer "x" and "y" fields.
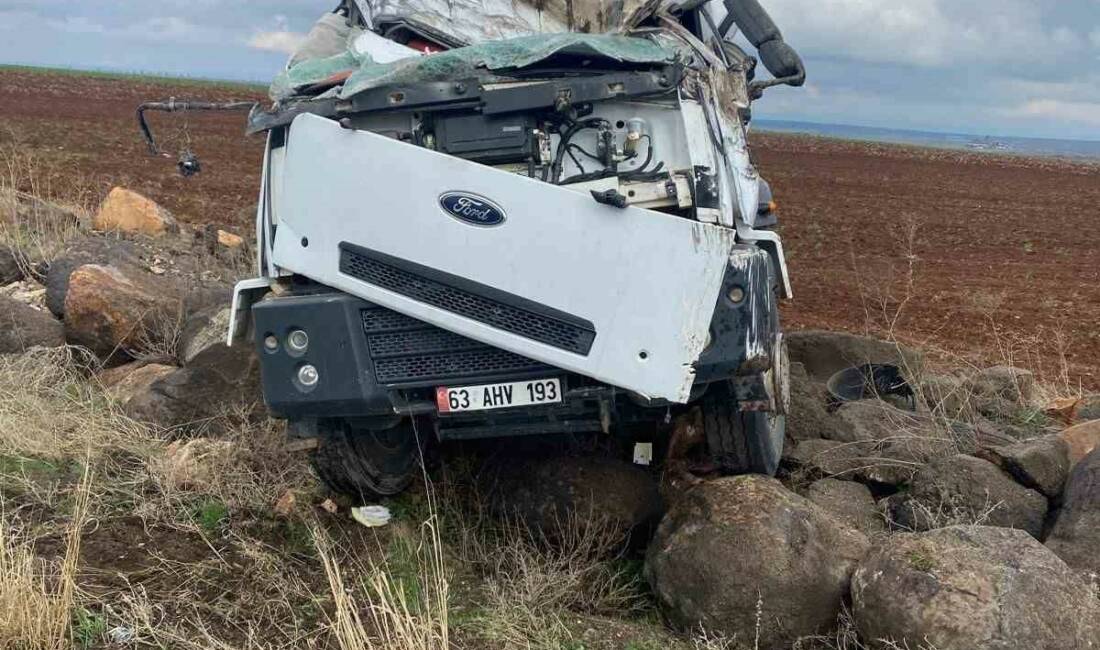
{"x": 991, "y": 258}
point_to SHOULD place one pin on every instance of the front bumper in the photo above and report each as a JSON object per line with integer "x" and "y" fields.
{"x": 375, "y": 362}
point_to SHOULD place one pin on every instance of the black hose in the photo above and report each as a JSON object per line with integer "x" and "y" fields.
{"x": 563, "y": 144}
{"x": 172, "y": 106}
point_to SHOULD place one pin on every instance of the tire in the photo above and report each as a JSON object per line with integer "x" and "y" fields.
{"x": 366, "y": 464}
{"x": 741, "y": 442}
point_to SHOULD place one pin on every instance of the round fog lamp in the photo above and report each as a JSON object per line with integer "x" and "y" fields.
{"x": 298, "y": 341}
{"x": 271, "y": 343}
{"x": 308, "y": 376}
{"x": 736, "y": 295}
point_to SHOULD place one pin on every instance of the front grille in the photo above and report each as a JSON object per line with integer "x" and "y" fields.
{"x": 527, "y": 323}
{"x": 407, "y": 351}
{"x": 394, "y": 344}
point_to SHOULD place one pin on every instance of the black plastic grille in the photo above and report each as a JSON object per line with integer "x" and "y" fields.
{"x": 407, "y": 351}
{"x": 510, "y": 318}
{"x": 384, "y": 320}
{"x": 391, "y": 344}
{"x": 454, "y": 365}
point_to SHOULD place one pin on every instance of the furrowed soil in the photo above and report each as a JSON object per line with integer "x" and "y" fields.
{"x": 990, "y": 258}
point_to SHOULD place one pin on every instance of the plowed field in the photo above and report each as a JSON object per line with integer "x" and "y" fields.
{"x": 989, "y": 258}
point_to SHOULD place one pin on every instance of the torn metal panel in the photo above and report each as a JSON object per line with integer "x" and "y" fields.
{"x": 474, "y": 21}
{"x": 462, "y": 63}
{"x": 334, "y": 48}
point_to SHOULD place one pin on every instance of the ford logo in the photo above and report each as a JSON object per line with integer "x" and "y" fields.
{"x": 471, "y": 208}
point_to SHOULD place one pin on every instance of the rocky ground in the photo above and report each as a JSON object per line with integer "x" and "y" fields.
{"x": 148, "y": 502}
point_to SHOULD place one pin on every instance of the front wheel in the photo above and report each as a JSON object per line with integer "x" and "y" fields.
{"x": 741, "y": 442}
{"x": 366, "y": 463}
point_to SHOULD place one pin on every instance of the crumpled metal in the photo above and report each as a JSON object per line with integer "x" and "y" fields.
{"x": 466, "y": 62}
{"x": 502, "y": 34}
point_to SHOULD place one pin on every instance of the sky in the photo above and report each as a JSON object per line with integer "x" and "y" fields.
{"x": 997, "y": 67}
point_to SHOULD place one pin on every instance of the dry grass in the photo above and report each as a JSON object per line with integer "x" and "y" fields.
{"x": 159, "y": 338}
{"x": 36, "y": 604}
{"x": 49, "y": 409}
{"x": 245, "y": 467}
{"x": 532, "y": 582}
{"x": 846, "y": 637}
{"x": 35, "y": 223}
{"x": 382, "y": 609}
{"x": 253, "y": 590}
{"x": 888, "y": 295}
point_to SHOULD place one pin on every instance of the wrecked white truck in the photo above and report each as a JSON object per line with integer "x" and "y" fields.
{"x": 488, "y": 218}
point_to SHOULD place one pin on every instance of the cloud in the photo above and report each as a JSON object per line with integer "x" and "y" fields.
{"x": 79, "y": 25}
{"x": 929, "y": 33}
{"x": 276, "y": 41}
{"x": 1054, "y": 109}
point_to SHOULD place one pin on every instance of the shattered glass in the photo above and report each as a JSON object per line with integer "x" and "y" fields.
{"x": 502, "y": 34}
{"x": 465, "y": 62}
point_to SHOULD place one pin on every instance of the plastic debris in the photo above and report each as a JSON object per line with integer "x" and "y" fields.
{"x": 372, "y": 516}
{"x": 121, "y": 635}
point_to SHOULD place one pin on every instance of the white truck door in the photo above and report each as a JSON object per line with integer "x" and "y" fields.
{"x": 621, "y": 295}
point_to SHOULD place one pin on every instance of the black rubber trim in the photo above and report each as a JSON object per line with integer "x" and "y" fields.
{"x": 469, "y": 299}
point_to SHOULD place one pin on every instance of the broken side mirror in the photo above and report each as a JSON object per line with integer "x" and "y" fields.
{"x": 740, "y": 58}
{"x": 783, "y": 62}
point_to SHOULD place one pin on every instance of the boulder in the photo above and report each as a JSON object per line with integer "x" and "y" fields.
{"x": 1088, "y": 408}
{"x": 825, "y": 353}
{"x": 744, "y": 558}
{"x": 963, "y": 489}
{"x": 27, "y": 292}
{"x": 851, "y": 460}
{"x": 808, "y": 417}
{"x": 1076, "y": 534}
{"x": 1063, "y": 409}
{"x": 11, "y": 266}
{"x": 1008, "y": 414}
{"x": 879, "y": 442}
{"x": 111, "y": 309}
{"x": 229, "y": 240}
{"x": 1081, "y": 439}
{"x": 23, "y": 327}
{"x": 945, "y": 396}
{"x": 1006, "y": 382}
{"x": 875, "y": 420}
{"x": 89, "y": 250}
{"x": 203, "y": 329}
{"x": 851, "y": 503}
{"x": 971, "y": 588}
{"x": 127, "y": 211}
{"x": 549, "y": 494}
{"x": 126, "y": 381}
{"x": 219, "y": 381}
{"x": 1041, "y": 464}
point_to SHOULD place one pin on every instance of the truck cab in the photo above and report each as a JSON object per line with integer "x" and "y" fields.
{"x": 543, "y": 225}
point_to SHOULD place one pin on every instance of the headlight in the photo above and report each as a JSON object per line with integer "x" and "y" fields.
{"x": 298, "y": 341}
{"x": 308, "y": 376}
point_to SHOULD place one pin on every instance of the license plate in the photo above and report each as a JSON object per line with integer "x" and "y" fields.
{"x": 497, "y": 396}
